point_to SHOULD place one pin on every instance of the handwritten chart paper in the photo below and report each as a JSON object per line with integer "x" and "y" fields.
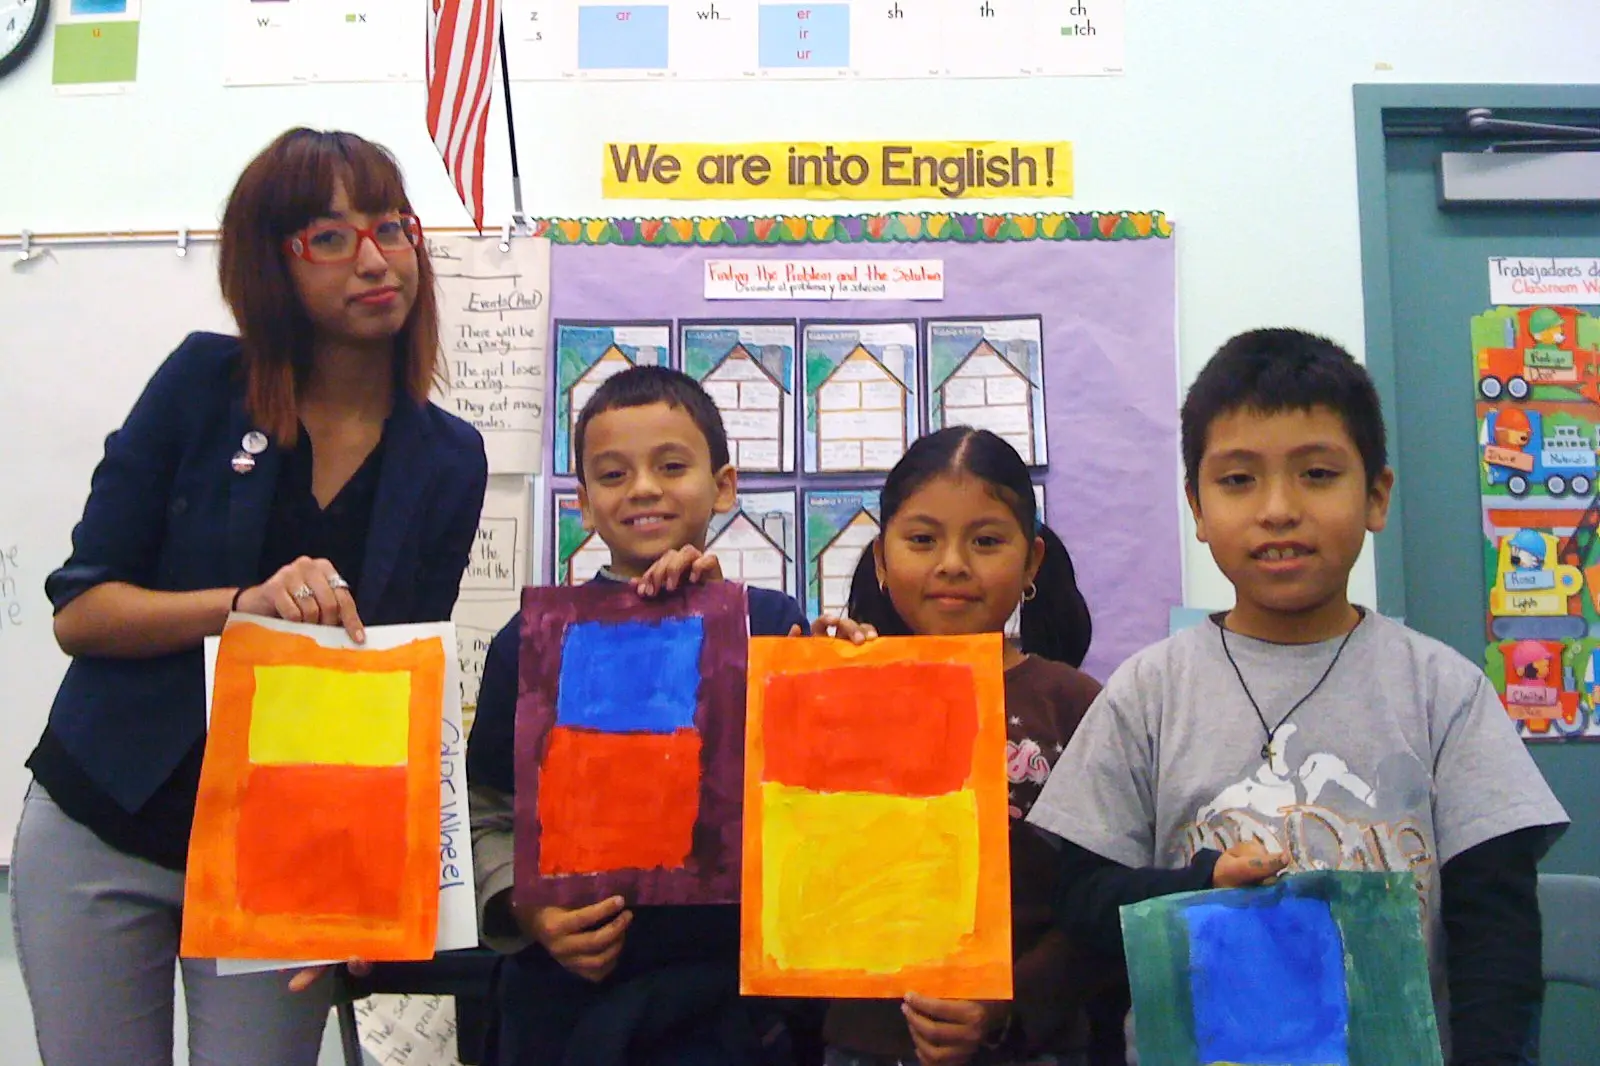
{"x": 497, "y": 571}
{"x": 497, "y": 566}
{"x": 876, "y": 853}
{"x": 320, "y": 798}
{"x": 494, "y": 320}
{"x": 824, "y": 279}
{"x": 628, "y": 779}
{"x": 1321, "y": 968}
{"x": 414, "y": 1030}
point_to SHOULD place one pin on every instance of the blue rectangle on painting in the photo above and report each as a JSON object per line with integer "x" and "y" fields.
{"x": 99, "y": 7}
{"x": 805, "y": 35}
{"x": 622, "y": 38}
{"x": 630, "y": 677}
{"x": 1268, "y": 984}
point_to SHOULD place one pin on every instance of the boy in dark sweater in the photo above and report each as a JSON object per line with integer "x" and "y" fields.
{"x": 605, "y": 985}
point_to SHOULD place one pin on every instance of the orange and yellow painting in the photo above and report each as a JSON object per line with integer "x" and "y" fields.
{"x": 316, "y": 830}
{"x": 876, "y": 855}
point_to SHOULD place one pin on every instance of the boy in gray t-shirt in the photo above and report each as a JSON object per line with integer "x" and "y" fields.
{"x": 1299, "y": 732}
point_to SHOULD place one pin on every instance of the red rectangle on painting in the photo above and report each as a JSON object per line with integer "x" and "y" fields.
{"x": 902, "y": 728}
{"x": 322, "y": 840}
{"x": 617, "y": 801}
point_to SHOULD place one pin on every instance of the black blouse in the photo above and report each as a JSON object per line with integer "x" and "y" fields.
{"x": 297, "y": 525}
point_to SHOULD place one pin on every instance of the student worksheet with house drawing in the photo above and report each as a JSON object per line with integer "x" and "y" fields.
{"x": 861, "y": 394}
{"x": 747, "y": 368}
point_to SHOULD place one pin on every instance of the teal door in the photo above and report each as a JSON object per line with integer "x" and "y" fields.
{"x": 1426, "y": 276}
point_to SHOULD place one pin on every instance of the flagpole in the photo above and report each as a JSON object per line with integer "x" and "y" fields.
{"x": 517, "y": 215}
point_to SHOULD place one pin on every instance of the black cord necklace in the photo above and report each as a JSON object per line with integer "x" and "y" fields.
{"x": 1268, "y": 752}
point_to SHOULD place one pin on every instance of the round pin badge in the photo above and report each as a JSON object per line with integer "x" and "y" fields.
{"x": 243, "y": 462}
{"x": 255, "y": 442}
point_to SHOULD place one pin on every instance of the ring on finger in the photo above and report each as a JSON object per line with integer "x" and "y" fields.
{"x": 303, "y": 593}
{"x": 335, "y": 582}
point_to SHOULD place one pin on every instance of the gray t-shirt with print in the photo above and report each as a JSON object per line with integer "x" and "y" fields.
{"x": 1403, "y": 759}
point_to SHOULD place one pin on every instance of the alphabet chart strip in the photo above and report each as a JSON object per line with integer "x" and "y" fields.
{"x": 552, "y": 40}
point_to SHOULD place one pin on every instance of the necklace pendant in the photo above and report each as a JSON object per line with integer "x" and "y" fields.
{"x": 1266, "y": 751}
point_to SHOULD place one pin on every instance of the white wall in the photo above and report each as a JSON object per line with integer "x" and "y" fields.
{"x": 1234, "y": 117}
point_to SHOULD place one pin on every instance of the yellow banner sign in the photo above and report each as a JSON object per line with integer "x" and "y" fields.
{"x": 851, "y": 170}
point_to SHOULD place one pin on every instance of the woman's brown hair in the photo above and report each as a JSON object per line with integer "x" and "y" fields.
{"x": 289, "y": 185}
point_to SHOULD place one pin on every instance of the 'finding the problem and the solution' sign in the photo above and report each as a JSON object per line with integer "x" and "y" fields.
{"x": 853, "y": 170}
{"x": 824, "y": 279}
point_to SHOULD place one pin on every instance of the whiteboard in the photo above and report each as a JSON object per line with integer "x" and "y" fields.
{"x": 82, "y": 329}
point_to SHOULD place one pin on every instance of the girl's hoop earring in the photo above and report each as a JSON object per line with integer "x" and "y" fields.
{"x": 1030, "y": 592}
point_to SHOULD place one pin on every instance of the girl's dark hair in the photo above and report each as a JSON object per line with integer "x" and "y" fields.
{"x": 1055, "y": 623}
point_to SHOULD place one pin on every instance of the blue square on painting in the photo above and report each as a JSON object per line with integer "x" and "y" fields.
{"x": 1268, "y": 984}
{"x": 630, "y": 677}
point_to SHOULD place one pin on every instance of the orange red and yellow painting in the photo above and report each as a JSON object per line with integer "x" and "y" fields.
{"x": 876, "y": 855}
{"x": 316, "y": 828}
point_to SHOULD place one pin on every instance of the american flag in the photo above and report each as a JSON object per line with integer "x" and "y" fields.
{"x": 463, "y": 36}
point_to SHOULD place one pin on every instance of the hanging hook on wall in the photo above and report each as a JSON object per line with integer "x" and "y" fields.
{"x": 27, "y": 246}
{"x": 183, "y": 242}
{"x": 505, "y": 237}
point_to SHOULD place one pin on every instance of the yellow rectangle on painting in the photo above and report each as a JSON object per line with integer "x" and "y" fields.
{"x": 836, "y": 170}
{"x": 866, "y": 882}
{"x": 312, "y": 715}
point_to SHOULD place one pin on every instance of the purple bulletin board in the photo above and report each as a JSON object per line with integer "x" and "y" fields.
{"x": 1108, "y": 311}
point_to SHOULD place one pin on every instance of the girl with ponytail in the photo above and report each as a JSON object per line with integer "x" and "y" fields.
{"x": 961, "y": 547}
{"x": 1055, "y": 618}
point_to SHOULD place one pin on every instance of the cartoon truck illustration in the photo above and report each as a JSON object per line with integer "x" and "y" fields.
{"x": 1541, "y": 348}
{"x": 1535, "y": 596}
{"x": 1589, "y": 703}
{"x": 1540, "y": 690}
{"x": 1518, "y": 453}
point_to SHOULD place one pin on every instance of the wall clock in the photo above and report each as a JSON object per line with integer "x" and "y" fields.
{"x": 21, "y": 26}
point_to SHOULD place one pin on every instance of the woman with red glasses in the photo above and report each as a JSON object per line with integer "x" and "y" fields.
{"x": 295, "y": 471}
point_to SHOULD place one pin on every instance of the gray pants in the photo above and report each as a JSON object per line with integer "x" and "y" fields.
{"x": 97, "y": 936}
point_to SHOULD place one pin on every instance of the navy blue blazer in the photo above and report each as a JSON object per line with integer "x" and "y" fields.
{"x": 166, "y": 511}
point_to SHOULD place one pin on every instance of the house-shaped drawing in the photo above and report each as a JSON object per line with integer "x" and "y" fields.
{"x": 612, "y": 361}
{"x": 585, "y": 563}
{"x": 861, "y": 415}
{"x": 752, "y": 401}
{"x": 836, "y": 562}
{"x": 987, "y": 391}
{"x": 749, "y": 555}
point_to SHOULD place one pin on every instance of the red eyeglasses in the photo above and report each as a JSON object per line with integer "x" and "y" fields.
{"x": 340, "y": 242}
